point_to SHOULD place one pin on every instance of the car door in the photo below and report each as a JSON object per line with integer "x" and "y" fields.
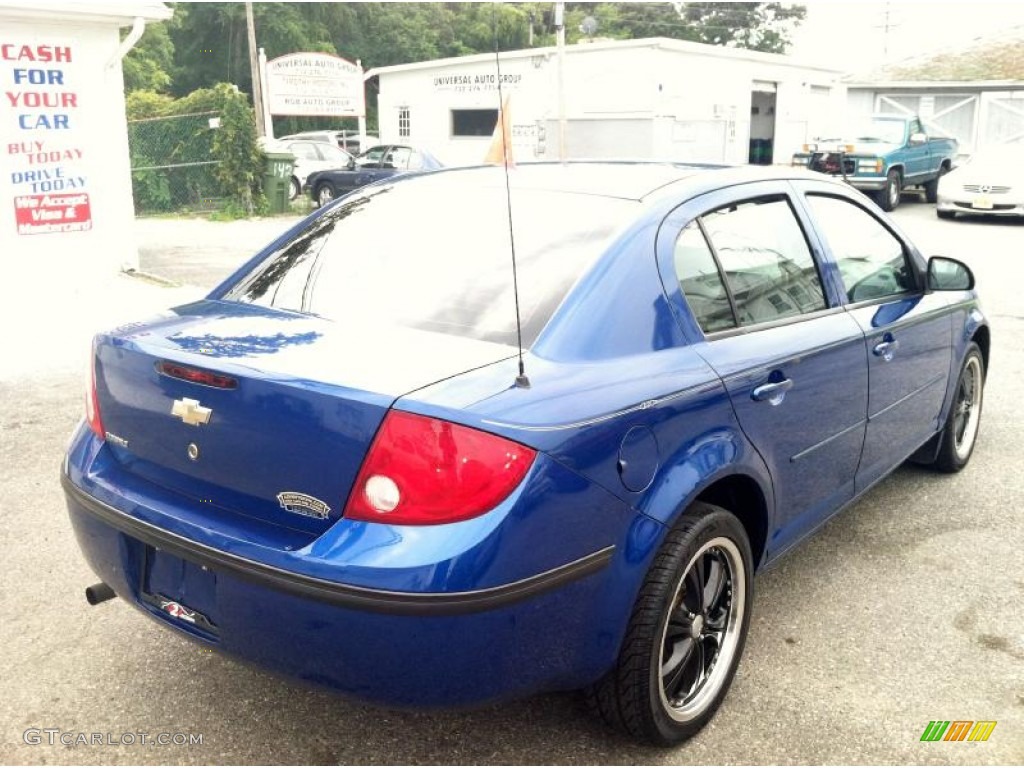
{"x": 366, "y": 171}
{"x": 918, "y": 159}
{"x": 791, "y": 359}
{"x": 371, "y": 166}
{"x": 907, "y": 329}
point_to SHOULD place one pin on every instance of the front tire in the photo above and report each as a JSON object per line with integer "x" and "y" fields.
{"x": 945, "y": 214}
{"x": 889, "y": 197}
{"x": 961, "y": 430}
{"x": 293, "y": 189}
{"x": 686, "y": 633}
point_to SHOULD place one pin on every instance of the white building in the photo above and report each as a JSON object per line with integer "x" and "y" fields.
{"x": 654, "y": 98}
{"x": 977, "y": 113}
{"x": 973, "y": 92}
{"x": 65, "y": 186}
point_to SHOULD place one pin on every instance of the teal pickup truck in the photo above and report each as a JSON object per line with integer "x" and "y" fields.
{"x": 884, "y": 156}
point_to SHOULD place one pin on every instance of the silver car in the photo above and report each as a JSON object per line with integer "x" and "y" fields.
{"x": 991, "y": 183}
{"x": 310, "y": 157}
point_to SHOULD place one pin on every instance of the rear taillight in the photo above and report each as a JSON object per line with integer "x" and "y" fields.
{"x": 92, "y": 404}
{"x": 424, "y": 471}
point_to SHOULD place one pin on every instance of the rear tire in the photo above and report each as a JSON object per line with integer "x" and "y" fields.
{"x": 686, "y": 633}
{"x": 931, "y": 188}
{"x": 293, "y": 189}
{"x": 889, "y": 196}
{"x": 961, "y": 430}
{"x": 324, "y": 194}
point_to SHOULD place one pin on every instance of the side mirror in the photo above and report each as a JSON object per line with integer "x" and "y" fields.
{"x": 917, "y": 139}
{"x": 949, "y": 275}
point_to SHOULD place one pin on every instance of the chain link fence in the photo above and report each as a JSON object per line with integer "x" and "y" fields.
{"x": 172, "y": 165}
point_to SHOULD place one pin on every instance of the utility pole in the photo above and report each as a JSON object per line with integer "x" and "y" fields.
{"x": 563, "y": 150}
{"x": 254, "y": 68}
{"x": 887, "y": 25}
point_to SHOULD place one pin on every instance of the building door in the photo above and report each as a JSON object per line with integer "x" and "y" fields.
{"x": 763, "y": 100}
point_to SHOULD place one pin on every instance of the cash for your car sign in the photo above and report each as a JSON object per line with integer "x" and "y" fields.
{"x": 44, "y": 161}
{"x": 315, "y": 84}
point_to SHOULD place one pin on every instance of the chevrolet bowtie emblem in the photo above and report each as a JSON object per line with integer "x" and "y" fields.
{"x": 191, "y": 412}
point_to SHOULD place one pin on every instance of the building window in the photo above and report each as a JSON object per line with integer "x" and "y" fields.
{"x": 473, "y": 122}
{"x": 404, "y": 127}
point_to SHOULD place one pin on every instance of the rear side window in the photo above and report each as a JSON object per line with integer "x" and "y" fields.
{"x": 304, "y": 151}
{"x": 701, "y": 282}
{"x": 871, "y": 260}
{"x": 745, "y": 264}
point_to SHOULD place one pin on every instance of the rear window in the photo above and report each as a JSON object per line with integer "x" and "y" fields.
{"x": 433, "y": 253}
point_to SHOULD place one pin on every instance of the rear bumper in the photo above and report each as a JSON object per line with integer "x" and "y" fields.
{"x": 461, "y": 630}
{"x": 300, "y": 585}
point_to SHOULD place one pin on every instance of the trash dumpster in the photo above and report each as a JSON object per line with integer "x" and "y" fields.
{"x": 277, "y": 177}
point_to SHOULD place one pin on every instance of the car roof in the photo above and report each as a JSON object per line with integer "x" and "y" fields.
{"x": 629, "y": 180}
{"x": 317, "y": 137}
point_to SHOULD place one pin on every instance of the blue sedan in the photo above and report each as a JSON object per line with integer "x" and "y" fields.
{"x": 376, "y": 163}
{"x": 373, "y": 460}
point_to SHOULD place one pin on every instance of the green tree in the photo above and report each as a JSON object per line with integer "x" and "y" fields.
{"x": 148, "y": 65}
{"x": 758, "y": 26}
{"x": 234, "y": 145}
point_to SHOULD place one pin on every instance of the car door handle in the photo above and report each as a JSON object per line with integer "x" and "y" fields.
{"x": 773, "y": 391}
{"x": 886, "y": 349}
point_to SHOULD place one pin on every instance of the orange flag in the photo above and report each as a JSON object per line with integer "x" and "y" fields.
{"x": 500, "y": 151}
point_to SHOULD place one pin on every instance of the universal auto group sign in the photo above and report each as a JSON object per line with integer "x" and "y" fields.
{"x": 315, "y": 84}
{"x": 44, "y": 161}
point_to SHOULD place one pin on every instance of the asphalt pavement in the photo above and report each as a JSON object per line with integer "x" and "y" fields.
{"x": 908, "y": 607}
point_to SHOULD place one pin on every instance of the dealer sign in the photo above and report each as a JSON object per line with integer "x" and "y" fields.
{"x": 315, "y": 84}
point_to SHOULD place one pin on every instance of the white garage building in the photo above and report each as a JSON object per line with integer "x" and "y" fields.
{"x": 652, "y": 98}
{"x": 974, "y": 94}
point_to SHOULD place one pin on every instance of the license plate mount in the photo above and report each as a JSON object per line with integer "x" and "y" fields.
{"x": 179, "y": 589}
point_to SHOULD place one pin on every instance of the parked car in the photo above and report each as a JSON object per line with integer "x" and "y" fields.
{"x": 990, "y": 183}
{"x": 883, "y": 157}
{"x": 342, "y": 465}
{"x": 347, "y": 140}
{"x": 376, "y": 163}
{"x": 310, "y": 157}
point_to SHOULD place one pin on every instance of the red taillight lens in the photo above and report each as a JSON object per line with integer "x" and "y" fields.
{"x": 92, "y": 403}
{"x": 424, "y": 471}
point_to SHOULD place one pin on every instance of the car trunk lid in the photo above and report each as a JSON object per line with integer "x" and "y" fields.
{"x": 262, "y": 412}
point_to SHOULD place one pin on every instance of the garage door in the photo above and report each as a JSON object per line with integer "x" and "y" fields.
{"x": 951, "y": 115}
{"x": 604, "y": 138}
{"x": 1003, "y": 118}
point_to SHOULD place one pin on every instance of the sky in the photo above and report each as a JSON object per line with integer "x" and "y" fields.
{"x": 850, "y": 34}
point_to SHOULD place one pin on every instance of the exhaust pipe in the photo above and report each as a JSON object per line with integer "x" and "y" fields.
{"x": 98, "y": 593}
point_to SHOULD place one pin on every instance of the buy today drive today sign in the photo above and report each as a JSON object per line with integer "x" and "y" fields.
{"x": 42, "y": 168}
{"x": 315, "y": 84}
